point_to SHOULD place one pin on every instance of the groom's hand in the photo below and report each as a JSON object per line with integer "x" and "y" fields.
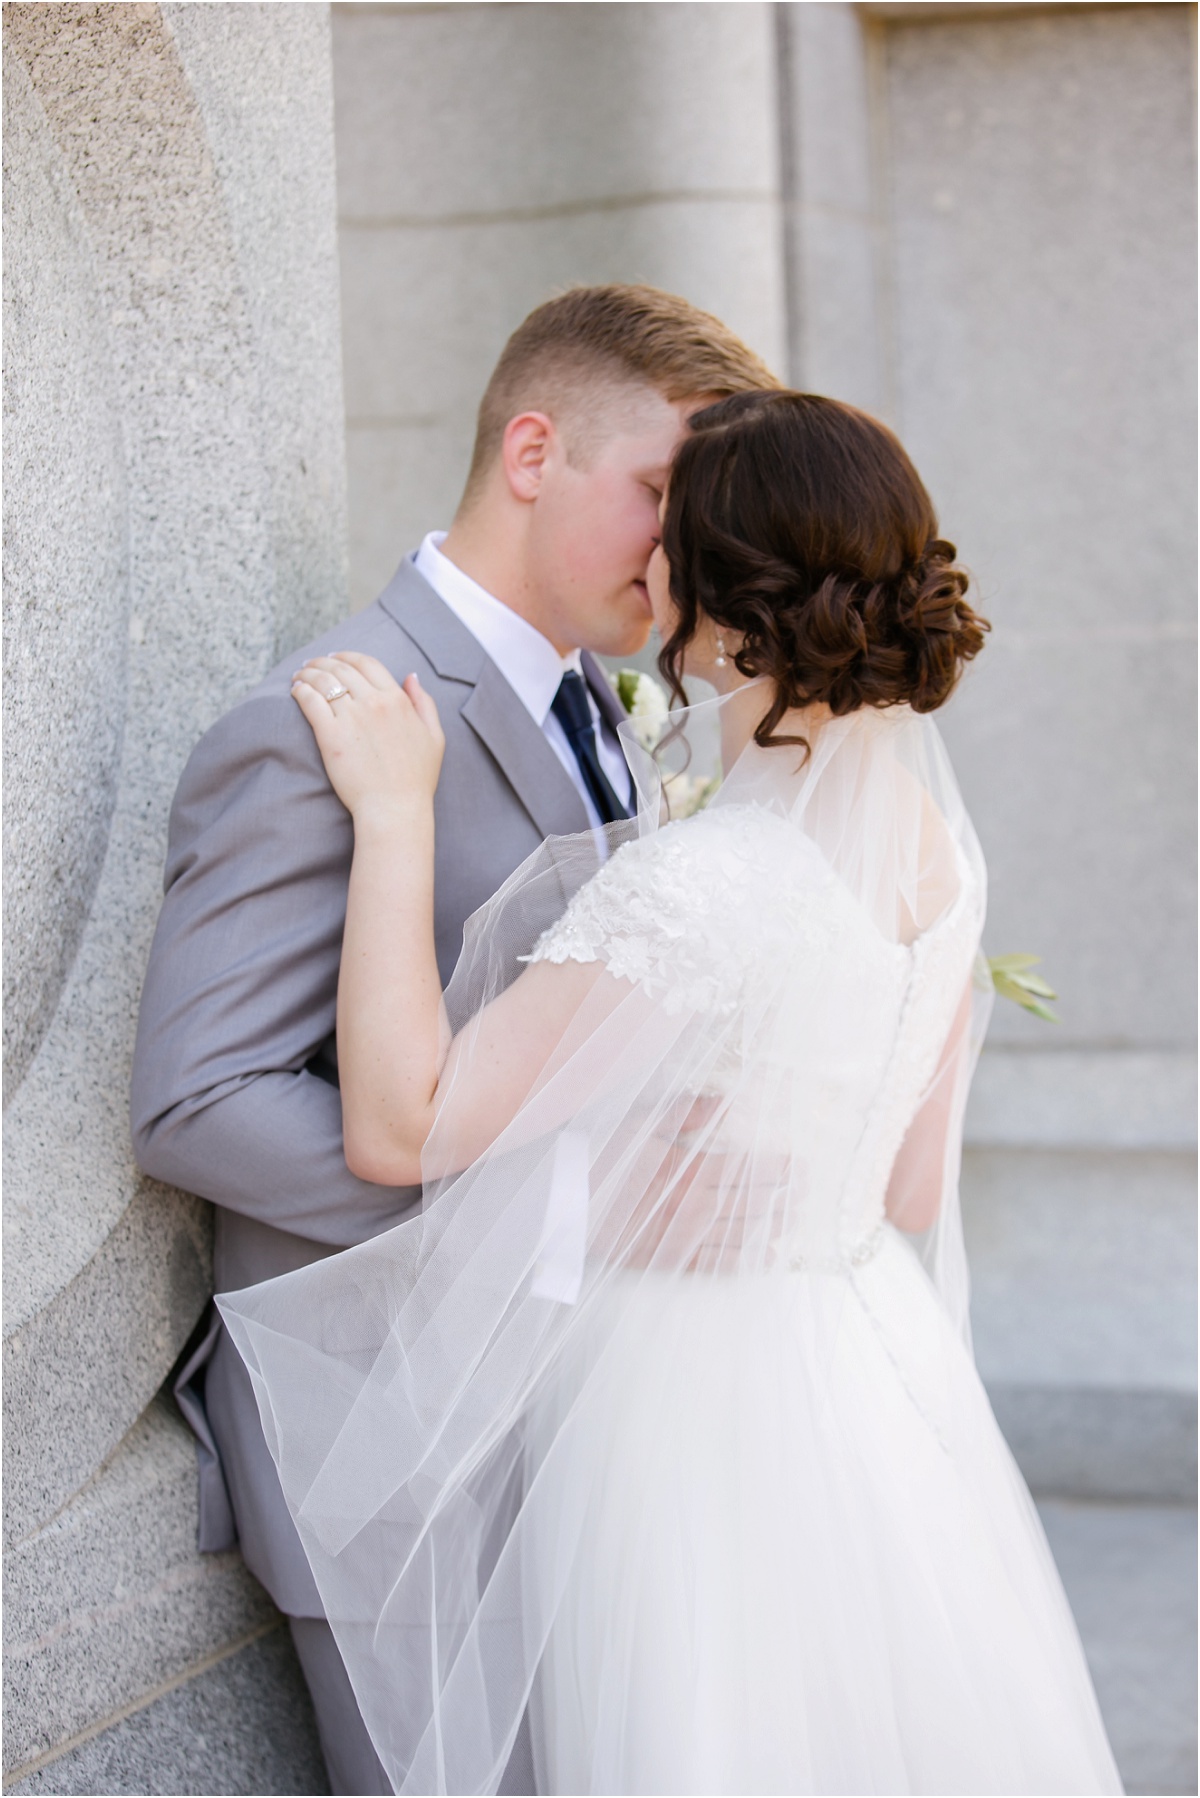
{"x": 382, "y": 743}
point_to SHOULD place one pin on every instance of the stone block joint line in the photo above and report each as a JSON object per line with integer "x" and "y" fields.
{"x": 26, "y": 1771}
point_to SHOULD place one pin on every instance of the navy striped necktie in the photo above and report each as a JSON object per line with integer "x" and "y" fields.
{"x": 574, "y": 713}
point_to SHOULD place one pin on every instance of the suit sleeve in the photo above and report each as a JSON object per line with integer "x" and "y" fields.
{"x": 241, "y": 988}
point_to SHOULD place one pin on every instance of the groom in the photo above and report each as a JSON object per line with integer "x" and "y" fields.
{"x": 235, "y": 1073}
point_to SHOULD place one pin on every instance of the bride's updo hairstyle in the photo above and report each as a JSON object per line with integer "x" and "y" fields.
{"x": 800, "y": 524}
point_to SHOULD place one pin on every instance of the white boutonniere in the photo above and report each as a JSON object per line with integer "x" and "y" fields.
{"x": 645, "y": 702}
{"x": 648, "y": 710}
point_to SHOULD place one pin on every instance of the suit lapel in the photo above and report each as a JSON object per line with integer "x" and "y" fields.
{"x": 534, "y": 772}
{"x": 491, "y": 708}
{"x": 433, "y": 627}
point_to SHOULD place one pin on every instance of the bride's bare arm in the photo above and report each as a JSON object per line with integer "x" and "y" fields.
{"x": 496, "y": 1062}
{"x": 382, "y": 747}
{"x": 915, "y": 1185}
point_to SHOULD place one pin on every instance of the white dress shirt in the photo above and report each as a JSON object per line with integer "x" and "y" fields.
{"x": 529, "y": 663}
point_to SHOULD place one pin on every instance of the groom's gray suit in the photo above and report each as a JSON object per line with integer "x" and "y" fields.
{"x": 234, "y": 1083}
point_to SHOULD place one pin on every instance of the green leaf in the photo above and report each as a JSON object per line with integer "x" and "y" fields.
{"x": 1008, "y": 964}
{"x": 1012, "y": 980}
{"x": 627, "y": 686}
{"x": 1030, "y": 983}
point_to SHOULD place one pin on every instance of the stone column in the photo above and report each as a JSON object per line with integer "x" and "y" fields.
{"x": 489, "y": 157}
{"x": 834, "y": 206}
{"x": 174, "y": 519}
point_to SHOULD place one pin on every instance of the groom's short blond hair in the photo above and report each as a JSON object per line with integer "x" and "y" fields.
{"x": 578, "y": 356}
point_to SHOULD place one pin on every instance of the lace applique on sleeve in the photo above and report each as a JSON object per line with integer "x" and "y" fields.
{"x": 671, "y": 912}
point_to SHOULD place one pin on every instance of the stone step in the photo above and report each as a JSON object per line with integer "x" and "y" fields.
{"x": 1083, "y": 1314}
{"x": 1130, "y": 1574}
{"x": 1101, "y": 1443}
{"x": 244, "y": 1725}
{"x": 1083, "y": 1266}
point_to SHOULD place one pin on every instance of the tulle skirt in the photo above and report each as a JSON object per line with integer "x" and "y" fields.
{"x": 786, "y": 1550}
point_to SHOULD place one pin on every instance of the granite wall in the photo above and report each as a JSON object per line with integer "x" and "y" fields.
{"x": 174, "y": 517}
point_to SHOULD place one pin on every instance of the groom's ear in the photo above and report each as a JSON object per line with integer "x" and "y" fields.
{"x": 530, "y": 442}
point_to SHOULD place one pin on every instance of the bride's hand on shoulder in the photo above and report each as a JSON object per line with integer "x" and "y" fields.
{"x": 381, "y": 742}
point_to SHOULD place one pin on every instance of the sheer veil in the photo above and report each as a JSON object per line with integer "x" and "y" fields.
{"x": 772, "y": 1025}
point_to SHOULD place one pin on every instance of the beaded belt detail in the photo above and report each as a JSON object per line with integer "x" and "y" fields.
{"x": 858, "y": 1256}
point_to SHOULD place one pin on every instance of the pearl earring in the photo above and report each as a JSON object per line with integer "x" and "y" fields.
{"x": 720, "y": 650}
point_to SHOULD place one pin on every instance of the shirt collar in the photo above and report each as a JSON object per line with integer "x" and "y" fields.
{"x": 528, "y": 661}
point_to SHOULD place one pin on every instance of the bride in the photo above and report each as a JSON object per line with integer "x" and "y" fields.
{"x": 661, "y": 1422}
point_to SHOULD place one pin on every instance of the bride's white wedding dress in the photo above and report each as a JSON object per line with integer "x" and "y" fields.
{"x": 701, "y": 1472}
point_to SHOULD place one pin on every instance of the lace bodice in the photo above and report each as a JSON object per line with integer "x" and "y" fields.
{"x": 708, "y": 908}
{"x": 736, "y": 915}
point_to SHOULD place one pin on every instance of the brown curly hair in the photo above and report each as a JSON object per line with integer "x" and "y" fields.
{"x": 800, "y": 523}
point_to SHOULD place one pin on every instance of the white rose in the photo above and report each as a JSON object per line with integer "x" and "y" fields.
{"x": 646, "y": 704}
